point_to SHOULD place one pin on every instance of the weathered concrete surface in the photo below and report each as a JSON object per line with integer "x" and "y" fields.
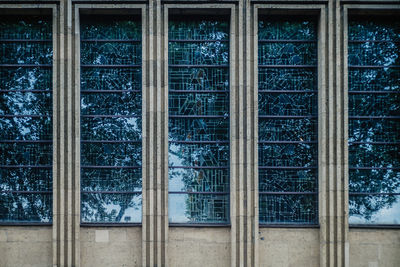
{"x": 280, "y": 247}
{"x": 199, "y": 247}
{"x": 111, "y": 246}
{"x": 25, "y": 246}
{"x": 374, "y": 248}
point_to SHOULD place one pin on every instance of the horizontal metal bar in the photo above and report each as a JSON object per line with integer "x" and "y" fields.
{"x": 111, "y": 66}
{"x": 24, "y": 224}
{"x": 373, "y": 117}
{"x": 286, "y": 167}
{"x": 199, "y": 116}
{"x": 198, "y": 142}
{"x": 25, "y": 116}
{"x": 198, "y": 167}
{"x": 373, "y": 92}
{"x": 197, "y": 66}
{"x": 374, "y": 143}
{"x": 111, "y": 91}
{"x": 372, "y": 66}
{"x": 373, "y": 41}
{"x": 25, "y": 91}
{"x": 375, "y": 226}
{"x": 112, "y": 40}
{"x": 112, "y": 192}
{"x": 199, "y": 225}
{"x": 110, "y": 224}
{"x": 288, "y": 66}
{"x": 110, "y": 167}
{"x": 374, "y": 168}
{"x": 110, "y": 141}
{"x": 288, "y": 225}
{"x": 286, "y": 41}
{"x": 287, "y": 117}
{"x": 199, "y": 91}
{"x": 25, "y": 192}
{"x": 111, "y": 116}
{"x": 26, "y": 166}
{"x": 287, "y": 142}
{"x": 26, "y": 40}
{"x": 288, "y": 91}
{"x": 288, "y": 193}
{"x": 26, "y": 141}
{"x": 198, "y": 193}
{"x": 26, "y": 65}
{"x": 371, "y": 193}
{"x": 197, "y": 41}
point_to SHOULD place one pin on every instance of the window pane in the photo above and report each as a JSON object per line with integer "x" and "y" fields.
{"x": 26, "y": 150}
{"x": 198, "y": 120}
{"x": 287, "y": 129}
{"x": 374, "y": 120}
{"x": 111, "y": 119}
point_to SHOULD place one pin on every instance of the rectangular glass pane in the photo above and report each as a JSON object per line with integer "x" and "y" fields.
{"x": 198, "y": 103}
{"x": 26, "y": 53}
{"x": 198, "y": 208}
{"x": 374, "y": 120}
{"x": 288, "y": 120}
{"x": 111, "y": 119}
{"x": 25, "y": 179}
{"x": 25, "y": 78}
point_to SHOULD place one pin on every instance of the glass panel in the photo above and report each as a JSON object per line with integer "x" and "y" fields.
{"x": 303, "y": 180}
{"x": 198, "y": 208}
{"x": 369, "y": 53}
{"x": 287, "y": 149}
{"x": 286, "y": 79}
{"x": 25, "y": 79}
{"x": 287, "y": 54}
{"x": 198, "y": 129}
{"x": 198, "y": 180}
{"x": 198, "y": 155}
{"x": 25, "y": 207}
{"x": 196, "y": 141}
{"x": 198, "y": 104}
{"x": 25, "y": 179}
{"x": 26, "y": 128}
{"x": 287, "y": 129}
{"x": 111, "y": 146}
{"x": 364, "y": 28}
{"x": 19, "y": 103}
{"x": 288, "y": 209}
{"x": 374, "y": 130}
{"x": 374, "y": 209}
{"x": 373, "y": 155}
{"x": 374, "y": 181}
{"x": 198, "y": 78}
{"x": 25, "y": 154}
{"x": 297, "y": 29}
{"x": 111, "y": 104}
{"x": 287, "y": 104}
{"x": 374, "y": 104}
{"x": 26, "y": 53}
{"x": 113, "y": 53}
{"x": 382, "y": 79}
{"x": 111, "y": 79}
{"x": 26, "y": 27}
{"x": 111, "y": 208}
{"x": 122, "y": 180}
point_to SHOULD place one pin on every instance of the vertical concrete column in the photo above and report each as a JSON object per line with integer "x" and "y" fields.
{"x": 155, "y": 140}
{"x": 333, "y": 186}
{"x": 65, "y": 181}
{"x": 244, "y": 175}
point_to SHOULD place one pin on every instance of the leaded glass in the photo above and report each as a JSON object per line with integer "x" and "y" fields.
{"x": 374, "y": 121}
{"x": 26, "y": 151}
{"x": 198, "y": 120}
{"x": 111, "y": 119}
{"x": 287, "y": 108}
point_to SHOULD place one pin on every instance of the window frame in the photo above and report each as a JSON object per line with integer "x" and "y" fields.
{"x": 51, "y": 10}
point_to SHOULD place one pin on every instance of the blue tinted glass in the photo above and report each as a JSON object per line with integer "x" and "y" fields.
{"x": 287, "y": 129}
{"x": 198, "y": 120}
{"x": 111, "y": 119}
{"x": 374, "y": 121}
{"x": 26, "y": 151}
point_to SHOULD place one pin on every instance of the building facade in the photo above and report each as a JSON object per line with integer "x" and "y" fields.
{"x": 200, "y": 133}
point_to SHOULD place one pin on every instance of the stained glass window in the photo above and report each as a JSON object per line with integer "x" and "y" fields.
{"x": 26, "y": 119}
{"x": 287, "y": 107}
{"x": 111, "y": 119}
{"x": 374, "y": 120}
{"x": 198, "y": 61}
